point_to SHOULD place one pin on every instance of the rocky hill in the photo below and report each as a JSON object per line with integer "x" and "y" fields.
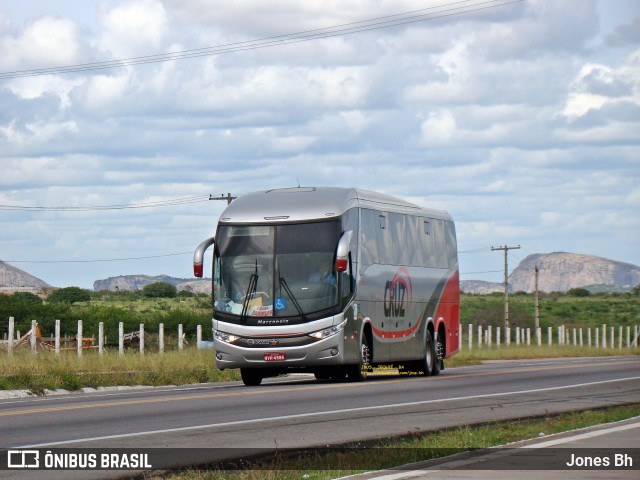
{"x": 137, "y": 282}
{"x": 13, "y": 279}
{"x": 480, "y": 287}
{"x": 561, "y": 271}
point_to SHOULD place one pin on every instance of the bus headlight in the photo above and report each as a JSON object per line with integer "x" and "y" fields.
{"x": 328, "y": 332}
{"x": 225, "y": 337}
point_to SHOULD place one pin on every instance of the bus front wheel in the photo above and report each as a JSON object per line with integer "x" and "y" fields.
{"x": 251, "y": 377}
{"x": 358, "y": 373}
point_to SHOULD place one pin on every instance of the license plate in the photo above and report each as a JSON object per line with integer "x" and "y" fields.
{"x": 274, "y": 357}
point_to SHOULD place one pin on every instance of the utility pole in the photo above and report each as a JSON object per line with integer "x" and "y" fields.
{"x": 506, "y": 322}
{"x": 228, "y": 198}
{"x": 536, "y": 302}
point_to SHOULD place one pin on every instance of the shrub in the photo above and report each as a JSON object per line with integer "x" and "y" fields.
{"x": 69, "y": 295}
{"x": 578, "y": 292}
{"x": 159, "y": 290}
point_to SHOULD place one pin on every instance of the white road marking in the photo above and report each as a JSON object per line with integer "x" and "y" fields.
{"x": 318, "y": 414}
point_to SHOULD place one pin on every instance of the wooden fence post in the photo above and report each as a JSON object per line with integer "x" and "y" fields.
{"x": 141, "y": 335}
{"x": 120, "y": 338}
{"x": 161, "y": 338}
{"x": 101, "y": 338}
{"x": 56, "y": 338}
{"x": 613, "y": 337}
{"x": 11, "y": 335}
{"x": 79, "y": 338}
{"x": 32, "y": 337}
{"x": 199, "y": 337}
{"x": 180, "y": 335}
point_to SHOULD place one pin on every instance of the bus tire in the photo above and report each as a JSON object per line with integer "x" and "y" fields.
{"x": 358, "y": 372}
{"x": 428, "y": 361}
{"x": 437, "y": 356}
{"x": 251, "y": 377}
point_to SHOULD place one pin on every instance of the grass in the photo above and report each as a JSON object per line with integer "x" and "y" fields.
{"x": 45, "y": 370}
{"x": 391, "y": 453}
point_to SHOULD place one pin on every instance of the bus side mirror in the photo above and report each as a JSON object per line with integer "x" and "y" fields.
{"x": 198, "y": 257}
{"x": 342, "y": 252}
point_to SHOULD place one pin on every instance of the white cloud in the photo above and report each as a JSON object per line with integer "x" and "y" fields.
{"x": 45, "y": 42}
{"x": 133, "y": 28}
{"x": 520, "y": 120}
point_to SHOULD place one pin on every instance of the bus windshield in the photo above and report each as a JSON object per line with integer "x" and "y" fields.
{"x": 276, "y": 270}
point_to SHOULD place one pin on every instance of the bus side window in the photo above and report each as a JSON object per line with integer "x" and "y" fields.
{"x": 369, "y": 243}
{"x": 428, "y": 245}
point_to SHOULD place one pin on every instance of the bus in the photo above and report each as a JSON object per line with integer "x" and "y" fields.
{"x": 334, "y": 282}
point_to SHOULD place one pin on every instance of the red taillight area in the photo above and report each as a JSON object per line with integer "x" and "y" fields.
{"x": 341, "y": 264}
{"x": 198, "y": 270}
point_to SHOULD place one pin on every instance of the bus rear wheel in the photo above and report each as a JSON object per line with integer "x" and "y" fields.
{"x": 251, "y": 377}
{"x": 438, "y": 350}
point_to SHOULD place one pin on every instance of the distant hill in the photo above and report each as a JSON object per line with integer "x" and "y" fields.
{"x": 561, "y": 271}
{"x": 13, "y": 279}
{"x": 137, "y": 282}
{"x": 480, "y": 287}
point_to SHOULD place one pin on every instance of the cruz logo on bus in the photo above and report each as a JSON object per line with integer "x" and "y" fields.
{"x": 397, "y": 294}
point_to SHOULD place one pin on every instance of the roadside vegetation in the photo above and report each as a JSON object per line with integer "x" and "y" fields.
{"x": 408, "y": 449}
{"x": 159, "y": 304}
{"x": 573, "y": 309}
{"x": 156, "y": 303}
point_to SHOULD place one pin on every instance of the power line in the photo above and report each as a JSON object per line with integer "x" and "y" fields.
{"x": 159, "y": 203}
{"x": 100, "y": 260}
{"x": 388, "y": 21}
{"x": 485, "y": 271}
{"x": 476, "y": 250}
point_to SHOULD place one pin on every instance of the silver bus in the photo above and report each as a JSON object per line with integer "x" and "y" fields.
{"x": 332, "y": 281}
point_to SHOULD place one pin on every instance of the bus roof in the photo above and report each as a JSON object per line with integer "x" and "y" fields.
{"x": 315, "y": 203}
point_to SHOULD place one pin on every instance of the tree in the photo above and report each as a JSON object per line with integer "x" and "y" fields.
{"x": 69, "y": 295}
{"x": 578, "y": 292}
{"x": 159, "y": 290}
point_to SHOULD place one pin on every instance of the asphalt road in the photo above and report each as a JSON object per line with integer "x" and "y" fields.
{"x": 297, "y": 411}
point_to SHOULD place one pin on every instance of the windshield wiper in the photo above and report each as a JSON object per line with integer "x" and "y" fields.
{"x": 251, "y": 289}
{"x": 283, "y": 283}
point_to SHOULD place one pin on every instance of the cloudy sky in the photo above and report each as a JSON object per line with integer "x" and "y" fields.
{"x": 521, "y": 119}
